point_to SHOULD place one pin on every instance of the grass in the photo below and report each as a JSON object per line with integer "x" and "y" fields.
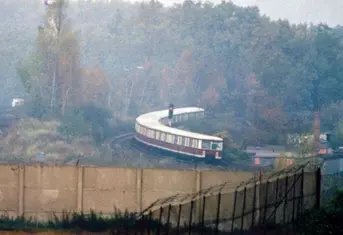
{"x": 91, "y": 222}
{"x": 30, "y": 136}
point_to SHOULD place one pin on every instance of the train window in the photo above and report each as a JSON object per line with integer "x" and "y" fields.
{"x": 206, "y": 144}
{"x": 169, "y": 138}
{"x": 217, "y": 145}
{"x": 163, "y": 136}
{"x": 158, "y": 134}
{"x": 195, "y": 143}
{"x": 187, "y": 142}
{"x": 179, "y": 140}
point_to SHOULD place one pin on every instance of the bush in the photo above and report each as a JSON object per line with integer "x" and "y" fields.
{"x": 97, "y": 119}
{"x": 86, "y": 120}
{"x": 326, "y": 220}
{"x": 36, "y": 108}
{"x": 235, "y": 155}
{"x": 73, "y": 124}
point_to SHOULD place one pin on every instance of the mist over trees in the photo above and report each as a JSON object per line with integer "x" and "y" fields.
{"x": 267, "y": 76}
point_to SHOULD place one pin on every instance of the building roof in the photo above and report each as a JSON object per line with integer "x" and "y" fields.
{"x": 152, "y": 121}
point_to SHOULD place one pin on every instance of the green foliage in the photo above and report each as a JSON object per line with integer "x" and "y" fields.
{"x": 326, "y": 220}
{"x": 74, "y": 124}
{"x": 336, "y": 138}
{"x": 235, "y": 155}
{"x": 98, "y": 120}
{"x": 229, "y": 59}
{"x": 86, "y": 120}
{"x": 92, "y": 222}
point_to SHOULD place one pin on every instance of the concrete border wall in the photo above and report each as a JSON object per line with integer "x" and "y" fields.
{"x": 42, "y": 191}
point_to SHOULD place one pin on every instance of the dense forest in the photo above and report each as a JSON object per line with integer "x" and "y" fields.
{"x": 263, "y": 78}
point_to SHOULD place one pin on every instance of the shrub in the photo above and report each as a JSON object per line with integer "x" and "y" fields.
{"x": 326, "y": 220}
{"x": 97, "y": 118}
{"x": 73, "y": 124}
{"x": 86, "y": 120}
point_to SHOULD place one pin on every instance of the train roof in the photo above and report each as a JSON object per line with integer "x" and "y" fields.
{"x": 152, "y": 120}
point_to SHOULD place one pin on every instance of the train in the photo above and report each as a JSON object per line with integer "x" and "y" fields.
{"x": 153, "y": 129}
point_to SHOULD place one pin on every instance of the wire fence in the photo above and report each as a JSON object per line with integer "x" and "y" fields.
{"x": 264, "y": 201}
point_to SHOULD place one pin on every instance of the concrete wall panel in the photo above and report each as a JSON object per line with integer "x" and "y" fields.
{"x": 159, "y": 183}
{"x": 41, "y": 191}
{"x": 9, "y": 188}
{"x": 109, "y": 201}
{"x": 46, "y": 200}
{"x": 210, "y": 178}
{"x": 109, "y": 178}
{"x": 51, "y": 177}
{"x": 50, "y": 188}
{"x": 109, "y": 189}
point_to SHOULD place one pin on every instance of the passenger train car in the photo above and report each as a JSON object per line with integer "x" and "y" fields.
{"x": 151, "y": 129}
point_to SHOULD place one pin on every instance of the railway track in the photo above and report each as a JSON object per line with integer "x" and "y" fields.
{"x": 122, "y": 138}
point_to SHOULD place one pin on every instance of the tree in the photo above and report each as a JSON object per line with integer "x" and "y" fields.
{"x": 56, "y": 66}
{"x": 94, "y": 88}
{"x": 325, "y": 68}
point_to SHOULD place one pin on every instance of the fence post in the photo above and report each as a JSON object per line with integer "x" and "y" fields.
{"x": 142, "y": 225}
{"x": 233, "y": 211}
{"x": 178, "y": 219}
{"x": 302, "y": 191}
{"x": 150, "y": 221}
{"x": 21, "y": 187}
{"x": 80, "y": 179}
{"x": 286, "y": 200}
{"x": 318, "y": 187}
{"x": 159, "y": 221}
{"x": 168, "y": 219}
{"x": 265, "y": 206}
{"x": 203, "y": 215}
{"x": 218, "y": 213}
{"x": 253, "y": 207}
{"x": 276, "y": 199}
{"x": 294, "y": 196}
{"x": 243, "y": 209}
{"x": 190, "y": 219}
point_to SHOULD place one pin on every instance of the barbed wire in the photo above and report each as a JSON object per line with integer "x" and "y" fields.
{"x": 229, "y": 187}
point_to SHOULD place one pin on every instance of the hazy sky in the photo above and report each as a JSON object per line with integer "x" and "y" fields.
{"x": 296, "y": 11}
